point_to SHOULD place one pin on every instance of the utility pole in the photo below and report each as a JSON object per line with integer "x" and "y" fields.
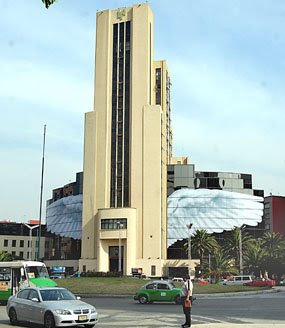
{"x": 41, "y": 198}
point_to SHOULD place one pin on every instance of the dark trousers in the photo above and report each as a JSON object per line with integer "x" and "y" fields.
{"x": 186, "y": 311}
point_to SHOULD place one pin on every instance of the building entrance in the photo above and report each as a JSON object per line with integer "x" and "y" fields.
{"x": 114, "y": 261}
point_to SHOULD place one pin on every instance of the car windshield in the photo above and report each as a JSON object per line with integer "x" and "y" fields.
{"x": 37, "y": 272}
{"x": 57, "y": 295}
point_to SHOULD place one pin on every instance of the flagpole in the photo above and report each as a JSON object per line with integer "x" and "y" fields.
{"x": 41, "y": 197}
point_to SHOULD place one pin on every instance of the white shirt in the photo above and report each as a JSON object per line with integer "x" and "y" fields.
{"x": 187, "y": 285}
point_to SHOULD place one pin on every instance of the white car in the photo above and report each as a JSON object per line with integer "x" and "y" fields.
{"x": 177, "y": 279}
{"x": 51, "y": 307}
{"x": 238, "y": 280}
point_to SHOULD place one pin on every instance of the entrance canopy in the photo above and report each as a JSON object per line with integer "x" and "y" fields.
{"x": 212, "y": 210}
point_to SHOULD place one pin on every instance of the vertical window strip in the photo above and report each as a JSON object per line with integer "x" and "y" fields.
{"x": 114, "y": 117}
{"x": 127, "y": 115}
{"x": 119, "y": 193}
{"x": 158, "y": 86}
{"x": 120, "y": 112}
{"x": 150, "y": 63}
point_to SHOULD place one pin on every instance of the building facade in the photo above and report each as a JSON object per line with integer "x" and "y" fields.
{"x": 128, "y": 144}
{"x": 17, "y": 241}
{"x": 274, "y": 213}
{"x": 70, "y": 189}
{"x": 180, "y": 174}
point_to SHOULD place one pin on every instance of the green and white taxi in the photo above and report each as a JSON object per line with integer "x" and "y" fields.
{"x": 158, "y": 291}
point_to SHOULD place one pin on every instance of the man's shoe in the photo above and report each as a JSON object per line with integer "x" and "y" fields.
{"x": 185, "y": 326}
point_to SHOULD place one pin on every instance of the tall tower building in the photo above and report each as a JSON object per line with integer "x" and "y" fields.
{"x": 128, "y": 144}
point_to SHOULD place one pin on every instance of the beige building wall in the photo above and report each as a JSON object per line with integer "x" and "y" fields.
{"x": 26, "y": 250}
{"x": 144, "y": 238}
{"x": 179, "y": 160}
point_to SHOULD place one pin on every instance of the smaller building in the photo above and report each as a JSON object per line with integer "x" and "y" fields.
{"x": 16, "y": 240}
{"x": 274, "y": 213}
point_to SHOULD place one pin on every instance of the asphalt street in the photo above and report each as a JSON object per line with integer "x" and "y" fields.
{"x": 263, "y": 310}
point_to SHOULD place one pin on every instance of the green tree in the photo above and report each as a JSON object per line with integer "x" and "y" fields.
{"x": 274, "y": 247}
{"x": 232, "y": 244}
{"x": 221, "y": 265}
{"x": 254, "y": 257}
{"x": 47, "y": 3}
{"x": 5, "y": 256}
{"x": 202, "y": 243}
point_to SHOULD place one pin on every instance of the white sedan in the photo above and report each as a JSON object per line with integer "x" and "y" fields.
{"x": 51, "y": 307}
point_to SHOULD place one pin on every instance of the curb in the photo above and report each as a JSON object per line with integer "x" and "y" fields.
{"x": 198, "y": 296}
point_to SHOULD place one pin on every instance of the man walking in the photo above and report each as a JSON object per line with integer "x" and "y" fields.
{"x": 186, "y": 300}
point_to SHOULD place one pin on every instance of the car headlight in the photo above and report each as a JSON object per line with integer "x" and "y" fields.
{"x": 93, "y": 310}
{"x": 63, "y": 312}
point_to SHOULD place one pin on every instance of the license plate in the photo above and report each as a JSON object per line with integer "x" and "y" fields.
{"x": 82, "y": 317}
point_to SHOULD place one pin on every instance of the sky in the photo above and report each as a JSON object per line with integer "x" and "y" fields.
{"x": 227, "y": 65}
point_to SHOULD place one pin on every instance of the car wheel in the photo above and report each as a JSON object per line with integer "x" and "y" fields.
{"x": 49, "y": 321}
{"x": 177, "y": 299}
{"x": 89, "y": 326}
{"x": 13, "y": 317}
{"x": 142, "y": 299}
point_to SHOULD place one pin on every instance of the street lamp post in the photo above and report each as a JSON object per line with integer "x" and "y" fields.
{"x": 189, "y": 226}
{"x": 120, "y": 253}
{"x": 31, "y": 230}
{"x": 240, "y": 253}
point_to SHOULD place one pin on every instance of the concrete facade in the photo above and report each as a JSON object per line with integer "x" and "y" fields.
{"x": 128, "y": 144}
{"x": 15, "y": 239}
{"x": 274, "y": 213}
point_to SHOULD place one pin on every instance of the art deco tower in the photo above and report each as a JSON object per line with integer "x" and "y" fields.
{"x": 127, "y": 146}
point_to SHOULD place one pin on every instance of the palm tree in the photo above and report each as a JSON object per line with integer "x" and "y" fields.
{"x": 221, "y": 265}
{"x": 5, "y": 256}
{"x": 254, "y": 257}
{"x": 232, "y": 245}
{"x": 274, "y": 247}
{"x": 203, "y": 242}
{"x": 274, "y": 243}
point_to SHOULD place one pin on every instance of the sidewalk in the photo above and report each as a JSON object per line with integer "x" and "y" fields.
{"x": 237, "y": 325}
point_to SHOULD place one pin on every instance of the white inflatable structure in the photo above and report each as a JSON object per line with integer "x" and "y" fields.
{"x": 212, "y": 210}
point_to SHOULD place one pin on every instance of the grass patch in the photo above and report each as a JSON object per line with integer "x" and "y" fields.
{"x": 128, "y": 286}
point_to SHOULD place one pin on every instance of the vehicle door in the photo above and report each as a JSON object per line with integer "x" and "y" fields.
{"x": 151, "y": 291}
{"x": 246, "y": 279}
{"x": 21, "y": 304}
{"x": 163, "y": 292}
{"x": 35, "y": 311}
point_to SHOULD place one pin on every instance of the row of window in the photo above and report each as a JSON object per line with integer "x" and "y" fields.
{"x": 14, "y": 243}
{"x": 22, "y": 243}
{"x": 120, "y": 223}
{"x": 21, "y": 254}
